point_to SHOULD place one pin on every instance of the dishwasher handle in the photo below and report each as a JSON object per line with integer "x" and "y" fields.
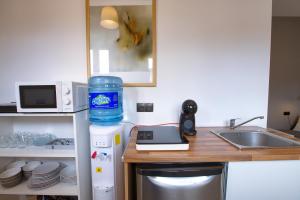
{"x": 180, "y": 171}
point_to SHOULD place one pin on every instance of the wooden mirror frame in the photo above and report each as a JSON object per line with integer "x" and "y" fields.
{"x": 154, "y": 55}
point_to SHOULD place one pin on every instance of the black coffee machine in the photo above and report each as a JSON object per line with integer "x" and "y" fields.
{"x": 187, "y": 118}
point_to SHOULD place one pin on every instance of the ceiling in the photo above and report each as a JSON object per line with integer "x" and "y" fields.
{"x": 289, "y": 8}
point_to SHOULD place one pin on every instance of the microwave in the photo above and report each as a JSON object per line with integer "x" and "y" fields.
{"x": 60, "y": 96}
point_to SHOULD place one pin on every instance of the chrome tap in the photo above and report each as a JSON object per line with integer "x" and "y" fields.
{"x": 233, "y": 126}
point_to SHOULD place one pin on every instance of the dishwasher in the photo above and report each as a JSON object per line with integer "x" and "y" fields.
{"x": 199, "y": 181}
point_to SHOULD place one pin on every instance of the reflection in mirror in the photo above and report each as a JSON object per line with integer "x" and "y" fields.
{"x": 122, "y": 40}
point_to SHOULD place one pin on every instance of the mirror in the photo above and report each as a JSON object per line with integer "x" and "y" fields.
{"x": 121, "y": 40}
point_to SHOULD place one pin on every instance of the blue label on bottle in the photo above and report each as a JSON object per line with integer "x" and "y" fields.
{"x": 104, "y": 100}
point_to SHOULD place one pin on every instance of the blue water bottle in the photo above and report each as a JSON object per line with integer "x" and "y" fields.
{"x": 105, "y": 100}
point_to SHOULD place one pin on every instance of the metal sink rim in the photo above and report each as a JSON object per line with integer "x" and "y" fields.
{"x": 219, "y": 132}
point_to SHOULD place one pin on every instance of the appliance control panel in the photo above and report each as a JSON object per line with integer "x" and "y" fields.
{"x": 67, "y": 96}
{"x": 100, "y": 141}
{"x": 67, "y": 91}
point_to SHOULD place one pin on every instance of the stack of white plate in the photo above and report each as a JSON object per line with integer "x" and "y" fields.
{"x": 68, "y": 175}
{"x": 16, "y": 164}
{"x": 45, "y": 175}
{"x": 29, "y": 167}
{"x": 11, "y": 177}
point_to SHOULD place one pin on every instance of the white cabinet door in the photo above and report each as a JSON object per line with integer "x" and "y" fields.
{"x": 263, "y": 180}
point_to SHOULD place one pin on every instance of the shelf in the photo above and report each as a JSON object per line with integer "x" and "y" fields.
{"x": 36, "y": 114}
{"x": 35, "y": 152}
{"x": 59, "y": 189}
{"x": 62, "y": 125}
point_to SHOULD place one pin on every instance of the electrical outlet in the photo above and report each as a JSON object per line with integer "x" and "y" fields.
{"x": 149, "y": 107}
{"x": 140, "y": 107}
{"x": 144, "y": 107}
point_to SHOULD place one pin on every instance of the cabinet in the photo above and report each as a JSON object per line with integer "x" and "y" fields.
{"x": 262, "y": 180}
{"x": 62, "y": 125}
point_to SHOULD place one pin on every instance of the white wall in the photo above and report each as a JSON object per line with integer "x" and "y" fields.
{"x": 286, "y": 8}
{"x": 41, "y": 40}
{"x": 213, "y": 51}
{"x": 285, "y": 69}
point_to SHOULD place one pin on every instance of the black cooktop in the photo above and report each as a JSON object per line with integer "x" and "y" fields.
{"x": 159, "y": 135}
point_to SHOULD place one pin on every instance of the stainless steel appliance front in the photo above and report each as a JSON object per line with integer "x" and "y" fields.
{"x": 180, "y": 182}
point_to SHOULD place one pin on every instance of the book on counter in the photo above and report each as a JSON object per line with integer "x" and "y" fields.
{"x": 160, "y": 138}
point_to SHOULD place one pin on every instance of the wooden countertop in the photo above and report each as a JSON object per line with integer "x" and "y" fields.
{"x": 207, "y": 147}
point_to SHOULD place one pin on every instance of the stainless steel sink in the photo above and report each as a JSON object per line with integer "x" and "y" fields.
{"x": 256, "y": 139}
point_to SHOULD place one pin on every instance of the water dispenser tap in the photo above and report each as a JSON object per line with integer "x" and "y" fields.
{"x": 94, "y": 155}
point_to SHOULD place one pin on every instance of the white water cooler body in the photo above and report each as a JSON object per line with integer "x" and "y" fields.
{"x": 106, "y": 162}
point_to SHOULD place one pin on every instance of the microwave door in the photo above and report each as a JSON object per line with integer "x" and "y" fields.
{"x": 38, "y": 98}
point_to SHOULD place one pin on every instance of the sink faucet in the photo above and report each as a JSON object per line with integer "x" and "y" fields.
{"x": 233, "y": 126}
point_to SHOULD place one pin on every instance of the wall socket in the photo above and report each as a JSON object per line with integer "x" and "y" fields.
{"x": 144, "y": 107}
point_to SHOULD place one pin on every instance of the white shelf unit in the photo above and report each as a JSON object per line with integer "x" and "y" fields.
{"x": 37, "y": 153}
{"x": 59, "y": 189}
{"x": 62, "y": 125}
